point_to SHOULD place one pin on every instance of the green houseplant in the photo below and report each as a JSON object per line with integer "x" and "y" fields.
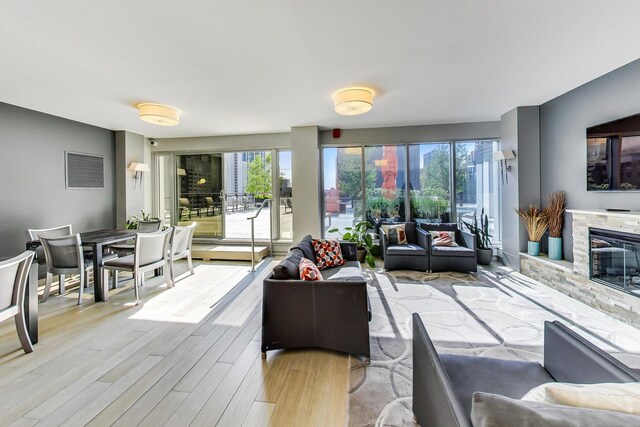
{"x": 359, "y": 235}
{"x": 555, "y": 212}
{"x": 132, "y": 221}
{"x": 483, "y": 238}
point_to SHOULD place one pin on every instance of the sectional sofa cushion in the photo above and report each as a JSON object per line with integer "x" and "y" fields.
{"x": 491, "y": 410}
{"x": 288, "y": 268}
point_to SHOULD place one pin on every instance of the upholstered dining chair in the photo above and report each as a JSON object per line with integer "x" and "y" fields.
{"x": 64, "y": 255}
{"x": 34, "y": 234}
{"x": 150, "y": 252}
{"x": 180, "y": 247}
{"x": 123, "y": 249}
{"x": 13, "y": 281}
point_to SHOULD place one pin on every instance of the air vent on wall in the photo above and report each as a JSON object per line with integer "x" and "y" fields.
{"x": 84, "y": 170}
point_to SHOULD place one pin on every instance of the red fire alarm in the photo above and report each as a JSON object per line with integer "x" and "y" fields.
{"x": 336, "y": 133}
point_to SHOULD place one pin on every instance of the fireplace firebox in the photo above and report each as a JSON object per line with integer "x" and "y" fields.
{"x": 615, "y": 259}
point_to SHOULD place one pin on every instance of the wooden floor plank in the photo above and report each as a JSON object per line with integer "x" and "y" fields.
{"x": 259, "y": 415}
{"x": 189, "y": 355}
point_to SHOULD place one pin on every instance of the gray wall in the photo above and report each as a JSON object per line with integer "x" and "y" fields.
{"x": 520, "y": 130}
{"x": 563, "y": 123}
{"x": 32, "y": 176}
{"x": 413, "y": 134}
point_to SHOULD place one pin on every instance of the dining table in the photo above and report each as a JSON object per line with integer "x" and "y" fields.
{"x": 97, "y": 240}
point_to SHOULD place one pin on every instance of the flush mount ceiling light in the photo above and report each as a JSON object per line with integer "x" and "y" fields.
{"x": 353, "y": 101}
{"x": 158, "y": 114}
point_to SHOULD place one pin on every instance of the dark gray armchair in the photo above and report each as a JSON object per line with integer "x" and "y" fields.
{"x": 460, "y": 258}
{"x": 411, "y": 256}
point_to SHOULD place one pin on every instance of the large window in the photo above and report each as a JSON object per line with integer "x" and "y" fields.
{"x": 342, "y": 187}
{"x": 477, "y": 182}
{"x": 385, "y": 182}
{"x": 447, "y": 182}
{"x": 286, "y": 194}
{"x": 430, "y": 182}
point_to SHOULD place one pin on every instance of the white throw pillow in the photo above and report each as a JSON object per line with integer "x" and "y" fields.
{"x": 618, "y": 397}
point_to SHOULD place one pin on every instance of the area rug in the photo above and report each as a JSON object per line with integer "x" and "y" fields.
{"x": 496, "y": 313}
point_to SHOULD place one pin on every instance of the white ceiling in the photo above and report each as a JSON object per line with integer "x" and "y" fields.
{"x": 254, "y": 66}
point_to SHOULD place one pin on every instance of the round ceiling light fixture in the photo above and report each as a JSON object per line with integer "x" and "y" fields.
{"x": 353, "y": 101}
{"x": 158, "y": 114}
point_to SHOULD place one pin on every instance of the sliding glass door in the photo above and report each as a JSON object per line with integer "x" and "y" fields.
{"x": 199, "y": 186}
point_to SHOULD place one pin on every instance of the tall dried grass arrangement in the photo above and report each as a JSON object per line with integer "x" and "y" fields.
{"x": 555, "y": 212}
{"x": 535, "y": 220}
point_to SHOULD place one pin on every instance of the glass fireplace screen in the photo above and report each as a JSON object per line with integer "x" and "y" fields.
{"x": 615, "y": 259}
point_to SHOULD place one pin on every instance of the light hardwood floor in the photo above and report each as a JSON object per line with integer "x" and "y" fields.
{"x": 189, "y": 355}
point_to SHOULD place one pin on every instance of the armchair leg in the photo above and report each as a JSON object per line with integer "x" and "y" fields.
{"x": 61, "y": 284}
{"x": 190, "y": 263}
{"x": 81, "y": 287}
{"x": 136, "y": 281}
{"x": 47, "y": 287}
{"x": 23, "y": 334}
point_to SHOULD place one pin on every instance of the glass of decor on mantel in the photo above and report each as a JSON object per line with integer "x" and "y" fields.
{"x": 555, "y": 212}
{"x": 536, "y": 221}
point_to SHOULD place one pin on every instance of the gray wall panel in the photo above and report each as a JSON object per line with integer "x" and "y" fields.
{"x": 563, "y": 123}
{"x": 32, "y": 176}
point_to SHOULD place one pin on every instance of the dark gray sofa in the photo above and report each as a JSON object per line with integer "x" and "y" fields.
{"x": 460, "y": 258}
{"x": 333, "y": 313}
{"x": 443, "y": 384}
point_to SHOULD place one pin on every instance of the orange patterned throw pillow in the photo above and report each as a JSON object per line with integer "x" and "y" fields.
{"x": 445, "y": 238}
{"x": 328, "y": 253}
{"x": 308, "y": 270}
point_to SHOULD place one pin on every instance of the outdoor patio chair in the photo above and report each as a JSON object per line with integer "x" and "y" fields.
{"x": 13, "y": 281}
{"x": 150, "y": 253}
{"x": 186, "y": 210}
{"x": 64, "y": 255}
{"x": 180, "y": 248}
{"x": 211, "y": 206}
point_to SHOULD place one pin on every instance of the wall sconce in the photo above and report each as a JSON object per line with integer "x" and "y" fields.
{"x": 138, "y": 169}
{"x": 503, "y": 156}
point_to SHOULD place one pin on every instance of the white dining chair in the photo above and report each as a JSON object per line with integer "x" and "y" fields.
{"x": 150, "y": 252}
{"x": 13, "y": 281}
{"x": 180, "y": 247}
{"x": 34, "y": 234}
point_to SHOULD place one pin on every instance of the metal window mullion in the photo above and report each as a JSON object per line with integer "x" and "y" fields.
{"x": 452, "y": 180}
{"x": 407, "y": 184}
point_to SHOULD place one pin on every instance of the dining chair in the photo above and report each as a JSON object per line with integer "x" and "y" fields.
{"x": 34, "y": 234}
{"x": 150, "y": 252}
{"x": 64, "y": 255}
{"x": 123, "y": 249}
{"x": 13, "y": 281}
{"x": 180, "y": 247}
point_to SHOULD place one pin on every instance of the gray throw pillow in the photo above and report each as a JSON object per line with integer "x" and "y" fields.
{"x": 492, "y": 410}
{"x": 306, "y": 246}
{"x": 288, "y": 268}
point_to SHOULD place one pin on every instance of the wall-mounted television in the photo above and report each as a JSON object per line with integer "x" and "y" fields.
{"x": 613, "y": 155}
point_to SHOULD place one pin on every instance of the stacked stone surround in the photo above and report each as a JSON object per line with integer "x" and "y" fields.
{"x": 573, "y": 279}
{"x": 628, "y": 222}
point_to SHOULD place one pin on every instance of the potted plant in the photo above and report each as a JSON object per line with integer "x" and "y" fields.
{"x": 536, "y": 221}
{"x": 132, "y": 221}
{"x": 359, "y": 235}
{"x": 555, "y": 212}
{"x": 483, "y": 238}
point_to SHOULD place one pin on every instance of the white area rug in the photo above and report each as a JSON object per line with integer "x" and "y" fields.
{"x": 498, "y": 313}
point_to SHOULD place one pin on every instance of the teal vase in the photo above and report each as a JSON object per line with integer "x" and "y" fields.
{"x": 533, "y": 248}
{"x": 555, "y": 248}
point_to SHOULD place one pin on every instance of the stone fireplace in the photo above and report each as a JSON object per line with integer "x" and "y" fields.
{"x": 614, "y": 259}
{"x": 612, "y": 289}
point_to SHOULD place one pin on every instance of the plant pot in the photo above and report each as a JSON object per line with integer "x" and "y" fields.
{"x": 533, "y": 248}
{"x": 361, "y": 254}
{"x": 555, "y": 248}
{"x": 485, "y": 256}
